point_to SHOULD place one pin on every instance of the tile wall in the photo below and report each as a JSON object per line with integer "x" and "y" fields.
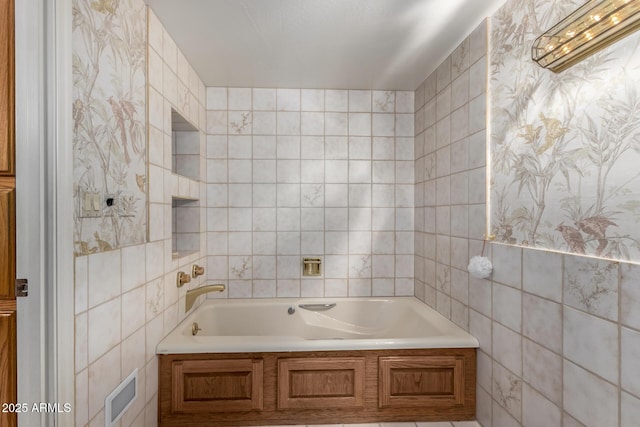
{"x": 559, "y": 334}
{"x": 126, "y": 299}
{"x": 296, "y": 173}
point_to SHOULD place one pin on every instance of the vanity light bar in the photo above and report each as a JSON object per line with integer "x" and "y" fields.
{"x": 592, "y": 27}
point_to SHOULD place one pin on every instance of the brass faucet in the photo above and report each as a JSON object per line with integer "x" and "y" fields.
{"x": 193, "y": 294}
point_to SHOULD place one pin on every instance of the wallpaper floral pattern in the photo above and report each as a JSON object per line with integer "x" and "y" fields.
{"x": 109, "y": 112}
{"x": 565, "y": 148}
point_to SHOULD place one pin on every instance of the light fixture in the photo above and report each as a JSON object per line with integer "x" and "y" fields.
{"x": 592, "y": 27}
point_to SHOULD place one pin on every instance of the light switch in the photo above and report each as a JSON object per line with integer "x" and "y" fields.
{"x": 96, "y": 202}
{"x": 88, "y": 201}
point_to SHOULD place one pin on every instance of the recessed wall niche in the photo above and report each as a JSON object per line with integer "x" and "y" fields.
{"x": 185, "y": 147}
{"x": 185, "y": 226}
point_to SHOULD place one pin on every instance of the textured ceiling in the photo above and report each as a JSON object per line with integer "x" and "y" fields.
{"x": 340, "y": 44}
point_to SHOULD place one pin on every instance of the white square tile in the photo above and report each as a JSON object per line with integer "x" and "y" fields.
{"x": 264, "y": 147}
{"x": 288, "y": 99}
{"x": 537, "y": 411}
{"x": 288, "y": 147}
{"x": 264, "y": 99}
{"x": 312, "y": 171}
{"x": 507, "y": 265}
{"x": 288, "y": 243}
{"x": 264, "y": 243}
{"x": 312, "y": 100}
{"x": 288, "y": 195}
{"x": 288, "y": 123}
{"x": 288, "y": 288}
{"x": 312, "y": 123}
{"x": 312, "y": 147}
{"x": 507, "y": 348}
{"x": 336, "y": 267}
{"x": 383, "y": 148}
{"x": 507, "y": 304}
{"x": 541, "y": 320}
{"x": 336, "y": 123}
{"x": 336, "y": 147}
{"x": 542, "y": 369}
{"x": 542, "y": 274}
{"x": 104, "y": 376}
{"x": 591, "y": 285}
{"x": 337, "y": 100}
{"x": 264, "y": 123}
{"x": 264, "y": 195}
{"x": 239, "y": 98}
{"x": 312, "y": 195}
{"x": 359, "y": 242}
{"x": 312, "y": 219}
{"x": 507, "y": 390}
{"x": 104, "y": 276}
{"x": 264, "y": 289}
{"x": 383, "y": 124}
{"x": 240, "y": 243}
{"x": 133, "y": 317}
{"x": 384, "y": 101}
{"x": 81, "y": 284}
{"x": 359, "y": 287}
{"x": 630, "y": 410}
{"x": 359, "y": 101}
{"x": 360, "y": 124}
{"x": 630, "y": 370}
{"x": 240, "y": 195}
{"x": 630, "y": 295}
{"x": 312, "y": 243}
{"x": 336, "y": 287}
{"x": 581, "y": 392}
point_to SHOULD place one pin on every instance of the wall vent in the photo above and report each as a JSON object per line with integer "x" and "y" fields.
{"x": 121, "y": 399}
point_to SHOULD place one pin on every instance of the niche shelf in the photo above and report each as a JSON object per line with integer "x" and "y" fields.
{"x": 185, "y": 226}
{"x": 185, "y": 147}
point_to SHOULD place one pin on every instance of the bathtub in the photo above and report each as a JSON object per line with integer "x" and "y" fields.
{"x": 279, "y": 325}
{"x": 308, "y": 361}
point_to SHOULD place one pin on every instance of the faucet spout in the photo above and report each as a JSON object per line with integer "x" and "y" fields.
{"x": 193, "y": 294}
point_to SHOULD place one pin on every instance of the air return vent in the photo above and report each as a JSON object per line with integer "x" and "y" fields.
{"x": 120, "y": 399}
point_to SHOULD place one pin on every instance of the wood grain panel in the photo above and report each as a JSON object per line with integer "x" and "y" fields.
{"x": 369, "y": 412}
{"x": 307, "y": 383}
{"x": 7, "y": 84}
{"x": 8, "y": 349}
{"x": 217, "y": 385}
{"x": 7, "y": 238}
{"x": 422, "y": 381}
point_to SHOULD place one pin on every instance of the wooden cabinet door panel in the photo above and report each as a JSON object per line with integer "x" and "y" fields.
{"x": 7, "y": 241}
{"x": 8, "y": 360}
{"x": 7, "y": 143}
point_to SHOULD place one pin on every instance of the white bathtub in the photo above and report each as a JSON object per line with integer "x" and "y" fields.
{"x": 265, "y": 325}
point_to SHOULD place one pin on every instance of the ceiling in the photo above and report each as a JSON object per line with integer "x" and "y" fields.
{"x": 339, "y": 44}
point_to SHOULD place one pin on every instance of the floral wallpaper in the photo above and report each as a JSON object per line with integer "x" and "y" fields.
{"x": 565, "y": 148}
{"x": 109, "y": 113}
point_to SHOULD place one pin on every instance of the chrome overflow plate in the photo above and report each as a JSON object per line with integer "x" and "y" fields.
{"x": 195, "y": 328}
{"x": 291, "y": 310}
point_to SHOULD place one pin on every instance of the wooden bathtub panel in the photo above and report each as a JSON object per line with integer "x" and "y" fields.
{"x": 423, "y": 381}
{"x": 271, "y": 415}
{"x": 322, "y": 382}
{"x": 231, "y": 385}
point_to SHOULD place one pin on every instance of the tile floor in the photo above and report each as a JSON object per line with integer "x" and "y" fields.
{"x": 410, "y": 424}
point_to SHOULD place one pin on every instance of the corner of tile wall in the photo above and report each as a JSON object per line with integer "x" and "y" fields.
{"x": 557, "y": 332}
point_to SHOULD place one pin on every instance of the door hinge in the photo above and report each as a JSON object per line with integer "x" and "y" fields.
{"x": 22, "y": 287}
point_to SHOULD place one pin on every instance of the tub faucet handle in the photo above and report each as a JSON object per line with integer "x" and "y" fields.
{"x": 182, "y": 278}
{"x": 196, "y": 271}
